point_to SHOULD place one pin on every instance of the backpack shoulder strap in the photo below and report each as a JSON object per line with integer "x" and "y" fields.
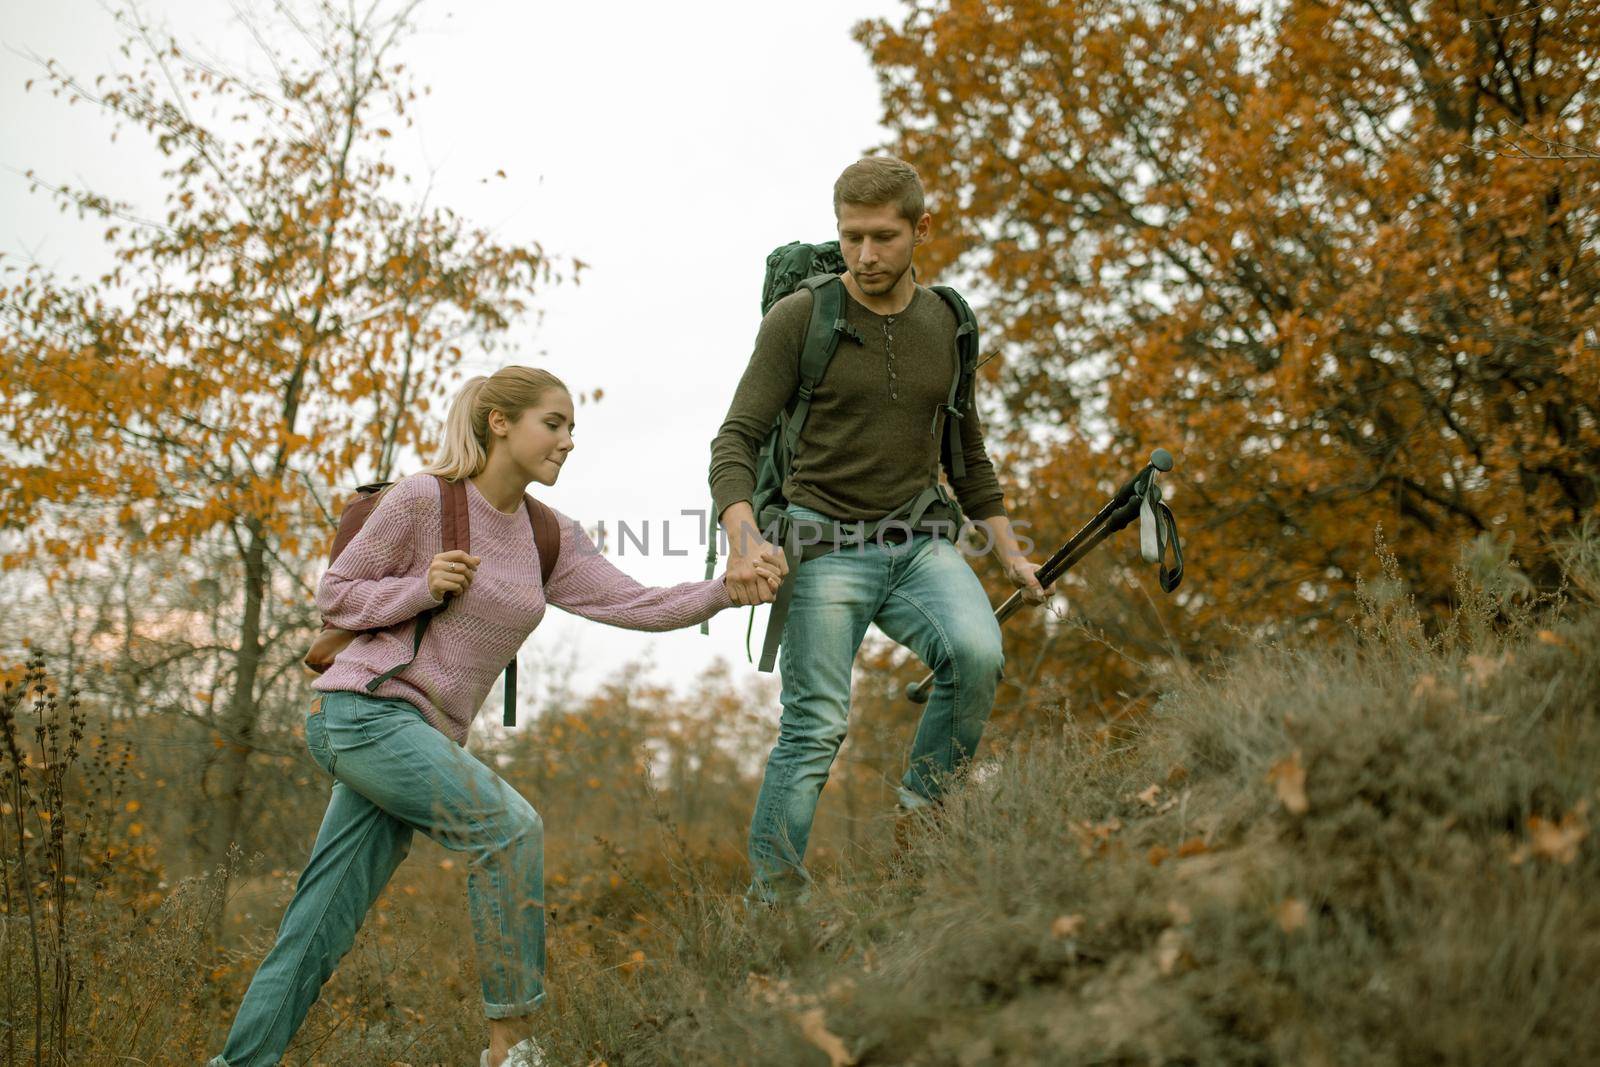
{"x": 827, "y": 325}
{"x": 947, "y": 420}
{"x": 546, "y": 537}
{"x": 456, "y": 532}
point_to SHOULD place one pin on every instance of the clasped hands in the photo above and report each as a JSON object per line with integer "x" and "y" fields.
{"x": 755, "y": 571}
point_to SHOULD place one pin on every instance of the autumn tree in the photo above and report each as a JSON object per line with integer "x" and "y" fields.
{"x": 1339, "y": 255}
{"x": 278, "y": 329}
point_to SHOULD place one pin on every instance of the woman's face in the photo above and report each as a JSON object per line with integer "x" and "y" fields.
{"x": 540, "y": 439}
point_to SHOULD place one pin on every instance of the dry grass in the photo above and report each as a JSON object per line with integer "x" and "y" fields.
{"x": 1375, "y": 852}
{"x": 1371, "y": 853}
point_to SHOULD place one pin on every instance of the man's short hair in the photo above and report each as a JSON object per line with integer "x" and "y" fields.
{"x": 881, "y": 180}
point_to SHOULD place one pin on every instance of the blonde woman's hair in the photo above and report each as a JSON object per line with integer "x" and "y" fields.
{"x": 510, "y": 390}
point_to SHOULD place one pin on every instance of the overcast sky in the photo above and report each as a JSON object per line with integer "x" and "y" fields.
{"x": 670, "y": 146}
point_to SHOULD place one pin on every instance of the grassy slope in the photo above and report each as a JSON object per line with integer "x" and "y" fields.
{"x": 1435, "y": 902}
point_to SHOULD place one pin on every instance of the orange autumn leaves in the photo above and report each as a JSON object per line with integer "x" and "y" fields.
{"x": 279, "y": 327}
{"x": 1555, "y": 840}
{"x": 1325, "y": 252}
{"x": 1288, "y": 780}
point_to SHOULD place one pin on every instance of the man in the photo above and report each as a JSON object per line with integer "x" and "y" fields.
{"x": 869, "y": 444}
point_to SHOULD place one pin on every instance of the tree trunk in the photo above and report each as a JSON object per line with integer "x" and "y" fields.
{"x": 238, "y": 727}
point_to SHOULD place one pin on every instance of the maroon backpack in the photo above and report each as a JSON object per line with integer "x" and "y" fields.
{"x": 456, "y": 535}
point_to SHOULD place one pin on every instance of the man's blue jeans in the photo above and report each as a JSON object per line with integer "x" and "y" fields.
{"x": 923, "y": 594}
{"x": 394, "y": 774}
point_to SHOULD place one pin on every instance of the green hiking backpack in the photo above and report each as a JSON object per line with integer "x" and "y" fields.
{"x": 818, "y": 268}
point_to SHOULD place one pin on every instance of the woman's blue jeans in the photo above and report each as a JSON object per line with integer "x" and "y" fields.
{"x": 923, "y": 594}
{"x": 395, "y": 774}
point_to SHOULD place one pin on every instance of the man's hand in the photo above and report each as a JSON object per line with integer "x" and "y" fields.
{"x": 755, "y": 568}
{"x": 1024, "y": 575}
{"x": 755, "y": 579}
{"x": 1019, "y": 571}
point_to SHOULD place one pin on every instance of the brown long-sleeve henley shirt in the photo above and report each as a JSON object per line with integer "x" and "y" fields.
{"x": 868, "y": 444}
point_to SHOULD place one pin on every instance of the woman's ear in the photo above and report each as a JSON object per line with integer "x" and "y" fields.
{"x": 499, "y": 426}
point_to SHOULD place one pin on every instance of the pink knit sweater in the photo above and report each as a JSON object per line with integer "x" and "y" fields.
{"x": 380, "y": 584}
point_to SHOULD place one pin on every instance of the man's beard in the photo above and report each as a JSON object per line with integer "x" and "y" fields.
{"x": 886, "y": 287}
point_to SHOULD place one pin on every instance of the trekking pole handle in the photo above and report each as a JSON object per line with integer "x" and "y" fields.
{"x": 1119, "y": 511}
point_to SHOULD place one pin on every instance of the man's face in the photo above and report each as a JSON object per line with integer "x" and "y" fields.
{"x": 877, "y": 243}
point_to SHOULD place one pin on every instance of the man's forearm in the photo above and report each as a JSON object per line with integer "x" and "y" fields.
{"x": 1023, "y": 572}
{"x": 739, "y": 523}
{"x": 1003, "y": 537}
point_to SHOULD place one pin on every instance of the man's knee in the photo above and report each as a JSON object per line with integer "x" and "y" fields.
{"x": 813, "y": 724}
{"x": 815, "y": 739}
{"x": 976, "y": 654}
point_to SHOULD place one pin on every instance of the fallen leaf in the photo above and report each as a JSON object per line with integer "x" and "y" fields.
{"x": 1559, "y": 841}
{"x": 771, "y": 990}
{"x": 1156, "y": 854}
{"x": 1172, "y": 952}
{"x": 1292, "y": 914}
{"x": 1550, "y": 637}
{"x": 1066, "y": 926}
{"x": 1430, "y": 689}
{"x": 1480, "y": 669}
{"x": 1193, "y": 847}
{"x": 1288, "y": 777}
{"x": 814, "y": 1025}
{"x": 1093, "y": 837}
{"x": 1149, "y": 795}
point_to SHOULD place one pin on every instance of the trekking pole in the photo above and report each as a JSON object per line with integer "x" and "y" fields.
{"x": 1141, "y": 498}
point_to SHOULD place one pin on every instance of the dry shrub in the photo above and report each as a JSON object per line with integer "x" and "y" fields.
{"x": 1373, "y": 851}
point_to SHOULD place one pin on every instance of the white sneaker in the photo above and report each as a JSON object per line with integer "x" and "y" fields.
{"x": 525, "y": 1053}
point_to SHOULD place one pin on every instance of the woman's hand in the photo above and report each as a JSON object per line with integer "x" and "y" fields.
{"x": 451, "y": 573}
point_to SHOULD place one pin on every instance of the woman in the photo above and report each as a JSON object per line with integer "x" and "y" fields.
{"x": 395, "y": 754}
